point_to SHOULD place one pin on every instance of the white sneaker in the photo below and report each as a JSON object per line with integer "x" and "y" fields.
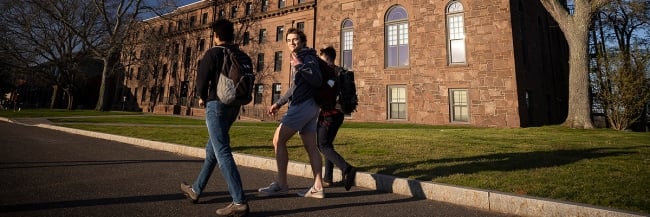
{"x": 273, "y": 190}
{"x": 313, "y": 193}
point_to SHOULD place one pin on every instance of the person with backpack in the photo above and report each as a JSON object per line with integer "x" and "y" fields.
{"x": 301, "y": 116}
{"x": 219, "y": 117}
{"x": 330, "y": 120}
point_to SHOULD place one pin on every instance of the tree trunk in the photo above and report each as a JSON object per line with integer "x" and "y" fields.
{"x": 102, "y": 86}
{"x": 70, "y": 99}
{"x": 54, "y": 93}
{"x": 579, "y": 114}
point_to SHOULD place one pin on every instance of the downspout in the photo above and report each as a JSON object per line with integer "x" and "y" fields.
{"x": 315, "y": 18}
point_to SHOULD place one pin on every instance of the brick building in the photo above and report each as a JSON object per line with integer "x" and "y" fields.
{"x": 500, "y": 63}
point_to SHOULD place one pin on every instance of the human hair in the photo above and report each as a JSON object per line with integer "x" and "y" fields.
{"x": 329, "y": 52}
{"x": 224, "y": 29}
{"x": 301, "y": 35}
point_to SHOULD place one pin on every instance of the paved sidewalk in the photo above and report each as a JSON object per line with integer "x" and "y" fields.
{"x": 492, "y": 201}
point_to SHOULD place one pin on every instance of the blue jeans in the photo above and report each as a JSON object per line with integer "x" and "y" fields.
{"x": 219, "y": 118}
{"x": 328, "y": 126}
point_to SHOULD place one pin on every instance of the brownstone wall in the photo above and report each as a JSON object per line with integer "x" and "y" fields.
{"x": 489, "y": 74}
{"x": 515, "y": 72}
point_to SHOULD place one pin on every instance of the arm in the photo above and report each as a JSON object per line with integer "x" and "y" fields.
{"x": 282, "y": 100}
{"x": 206, "y": 75}
{"x": 308, "y": 67}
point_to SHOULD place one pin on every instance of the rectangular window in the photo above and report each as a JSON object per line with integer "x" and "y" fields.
{"x": 279, "y": 32}
{"x": 204, "y": 19}
{"x": 202, "y": 44}
{"x": 301, "y": 26}
{"x": 278, "y": 61}
{"x": 277, "y": 90}
{"x": 246, "y": 39}
{"x": 164, "y": 71}
{"x": 398, "y": 48}
{"x": 161, "y": 94}
{"x": 174, "y": 70}
{"x": 144, "y": 95}
{"x": 249, "y": 8}
{"x": 152, "y": 95}
{"x": 281, "y": 3}
{"x": 262, "y": 36}
{"x": 347, "y": 50}
{"x": 260, "y": 62}
{"x": 301, "y": 1}
{"x": 456, "y": 39}
{"x": 222, "y": 14}
{"x": 459, "y": 105}
{"x": 171, "y": 98}
{"x": 265, "y": 5}
{"x": 192, "y": 21}
{"x": 259, "y": 90}
{"x": 397, "y": 102}
{"x": 233, "y": 12}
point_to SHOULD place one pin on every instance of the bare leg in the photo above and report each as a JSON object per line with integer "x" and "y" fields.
{"x": 282, "y": 135}
{"x": 309, "y": 141}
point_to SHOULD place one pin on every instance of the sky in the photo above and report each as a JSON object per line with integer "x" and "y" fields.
{"x": 157, "y": 2}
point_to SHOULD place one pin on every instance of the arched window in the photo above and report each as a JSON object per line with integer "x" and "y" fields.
{"x": 346, "y": 44}
{"x": 397, "y": 37}
{"x": 455, "y": 33}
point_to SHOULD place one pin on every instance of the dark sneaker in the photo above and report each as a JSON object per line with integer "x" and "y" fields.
{"x": 350, "y": 175}
{"x": 234, "y": 209}
{"x": 313, "y": 193}
{"x": 189, "y": 192}
{"x": 273, "y": 190}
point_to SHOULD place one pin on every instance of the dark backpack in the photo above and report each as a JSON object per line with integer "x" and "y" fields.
{"x": 236, "y": 80}
{"x": 348, "y": 98}
{"x": 328, "y": 91}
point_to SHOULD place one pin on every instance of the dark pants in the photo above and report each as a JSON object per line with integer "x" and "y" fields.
{"x": 328, "y": 126}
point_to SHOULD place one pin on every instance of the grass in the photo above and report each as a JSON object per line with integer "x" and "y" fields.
{"x": 600, "y": 167}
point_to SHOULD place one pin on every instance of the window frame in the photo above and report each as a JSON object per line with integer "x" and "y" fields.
{"x": 265, "y": 6}
{"x": 277, "y": 61}
{"x": 249, "y": 8}
{"x": 259, "y": 94}
{"x": 456, "y": 35}
{"x": 396, "y": 38}
{"x": 276, "y": 91}
{"x": 395, "y": 101}
{"x": 279, "y": 34}
{"x": 260, "y": 62}
{"x": 347, "y": 44}
{"x": 233, "y": 11}
{"x": 262, "y": 36}
{"x": 462, "y": 107}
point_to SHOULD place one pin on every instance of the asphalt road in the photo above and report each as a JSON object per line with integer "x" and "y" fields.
{"x": 50, "y": 173}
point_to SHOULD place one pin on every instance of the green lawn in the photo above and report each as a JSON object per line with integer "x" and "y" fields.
{"x": 600, "y": 167}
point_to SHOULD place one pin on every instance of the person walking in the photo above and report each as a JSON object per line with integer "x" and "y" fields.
{"x": 330, "y": 120}
{"x": 301, "y": 116}
{"x": 219, "y": 117}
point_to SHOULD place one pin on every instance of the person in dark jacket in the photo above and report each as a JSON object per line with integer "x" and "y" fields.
{"x": 219, "y": 117}
{"x": 301, "y": 116}
{"x": 330, "y": 120}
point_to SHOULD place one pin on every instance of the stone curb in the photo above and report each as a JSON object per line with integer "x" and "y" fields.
{"x": 483, "y": 199}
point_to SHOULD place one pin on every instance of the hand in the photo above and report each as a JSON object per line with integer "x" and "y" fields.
{"x": 273, "y": 109}
{"x": 294, "y": 59}
{"x": 201, "y": 104}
